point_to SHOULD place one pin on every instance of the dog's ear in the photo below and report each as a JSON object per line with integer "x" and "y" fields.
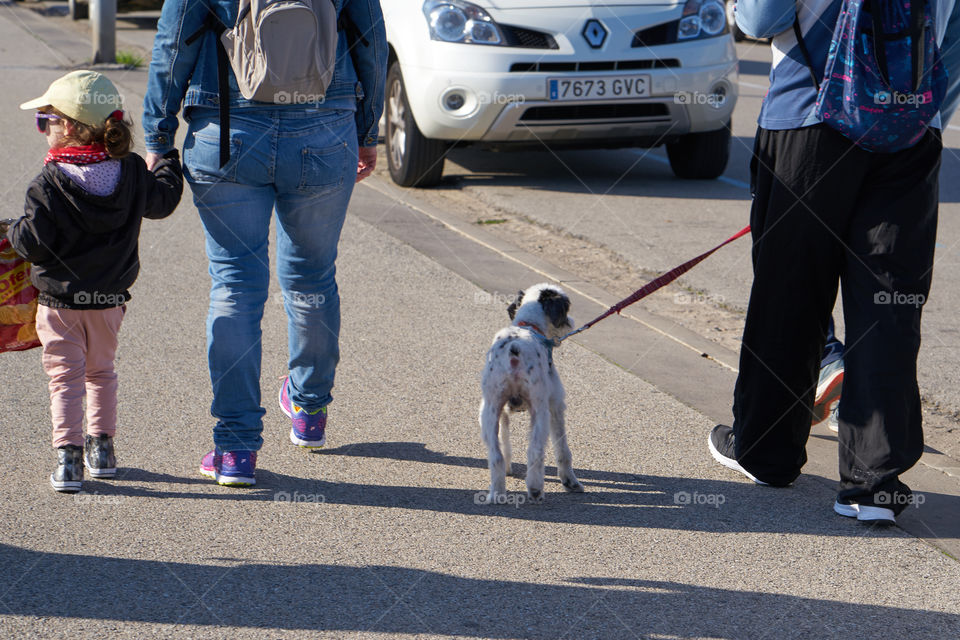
{"x": 512, "y": 309}
{"x": 555, "y": 306}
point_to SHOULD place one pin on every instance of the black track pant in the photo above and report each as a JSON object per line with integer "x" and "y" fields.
{"x": 825, "y": 211}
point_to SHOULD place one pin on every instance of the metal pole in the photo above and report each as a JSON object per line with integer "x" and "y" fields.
{"x": 103, "y": 19}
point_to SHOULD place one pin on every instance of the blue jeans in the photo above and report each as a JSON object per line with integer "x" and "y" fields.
{"x": 833, "y": 349}
{"x": 301, "y": 164}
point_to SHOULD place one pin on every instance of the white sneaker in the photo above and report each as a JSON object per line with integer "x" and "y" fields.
{"x": 865, "y": 512}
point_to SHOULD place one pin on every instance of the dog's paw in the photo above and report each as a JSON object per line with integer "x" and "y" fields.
{"x": 535, "y": 495}
{"x": 572, "y": 485}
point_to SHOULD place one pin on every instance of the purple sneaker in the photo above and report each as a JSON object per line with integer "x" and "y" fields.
{"x": 309, "y": 427}
{"x": 230, "y": 468}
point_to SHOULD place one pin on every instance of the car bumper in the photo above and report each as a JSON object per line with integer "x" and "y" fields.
{"x": 500, "y": 105}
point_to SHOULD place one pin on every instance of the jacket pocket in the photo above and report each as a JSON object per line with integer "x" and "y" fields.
{"x": 324, "y": 170}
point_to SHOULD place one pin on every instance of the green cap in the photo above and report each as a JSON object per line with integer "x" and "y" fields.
{"x": 86, "y": 96}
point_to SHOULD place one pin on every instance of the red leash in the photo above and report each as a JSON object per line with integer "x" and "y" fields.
{"x": 656, "y": 283}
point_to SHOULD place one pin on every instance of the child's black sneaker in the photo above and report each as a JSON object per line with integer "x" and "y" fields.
{"x": 98, "y": 456}
{"x": 69, "y": 473}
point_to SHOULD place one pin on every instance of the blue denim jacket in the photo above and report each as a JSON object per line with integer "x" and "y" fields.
{"x": 183, "y": 75}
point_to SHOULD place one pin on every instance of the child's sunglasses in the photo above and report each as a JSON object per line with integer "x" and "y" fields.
{"x": 42, "y": 119}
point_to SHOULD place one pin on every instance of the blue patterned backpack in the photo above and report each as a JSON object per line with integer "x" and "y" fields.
{"x": 884, "y": 80}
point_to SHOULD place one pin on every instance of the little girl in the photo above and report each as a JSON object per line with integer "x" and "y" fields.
{"x": 80, "y": 230}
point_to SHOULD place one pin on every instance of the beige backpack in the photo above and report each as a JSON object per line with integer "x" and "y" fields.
{"x": 283, "y": 51}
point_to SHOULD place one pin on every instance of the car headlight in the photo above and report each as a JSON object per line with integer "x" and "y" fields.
{"x": 458, "y": 21}
{"x": 702, "y": 18}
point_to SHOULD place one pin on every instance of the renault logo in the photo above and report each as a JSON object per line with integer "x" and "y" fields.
{"x": 594, "y": 33}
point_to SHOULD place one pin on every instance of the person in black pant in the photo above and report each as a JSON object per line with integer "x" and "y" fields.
{"x": 825, "y": 210}
{"x": 829, "y": 386}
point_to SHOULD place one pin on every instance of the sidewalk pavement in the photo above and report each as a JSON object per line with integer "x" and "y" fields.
{"x": 380, "y": 534}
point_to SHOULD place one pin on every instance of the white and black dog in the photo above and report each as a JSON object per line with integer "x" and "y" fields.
{"x": 519, "y": 372}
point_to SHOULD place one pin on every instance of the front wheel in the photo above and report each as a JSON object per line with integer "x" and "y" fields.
{"x": 414, "y": 160}
{"x": 701, "y": 156}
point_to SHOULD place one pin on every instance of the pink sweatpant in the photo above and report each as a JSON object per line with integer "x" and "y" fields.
{"x": 78, "y": 352}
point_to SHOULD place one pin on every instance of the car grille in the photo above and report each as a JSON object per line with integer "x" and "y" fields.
{"x": 527, "y": 38}
{"x": 610, "y": 65}
{"x": 661, "y": 34}
{"x": 595, "y": 112}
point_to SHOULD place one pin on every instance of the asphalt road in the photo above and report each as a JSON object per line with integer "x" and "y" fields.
{"x": 380, "y": 535}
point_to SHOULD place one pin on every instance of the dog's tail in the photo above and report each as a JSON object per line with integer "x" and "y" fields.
{"x": 514, "y": 356}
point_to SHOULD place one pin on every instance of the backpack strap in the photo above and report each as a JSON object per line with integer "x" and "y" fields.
{"x": 879, "y": 47}
{"x": 214, "y": 24}
{"x": 917, "y": 32}
{"x": 803, "y": 50}
{"x": 223, "y": 91}
{"x": 918, "y": 37}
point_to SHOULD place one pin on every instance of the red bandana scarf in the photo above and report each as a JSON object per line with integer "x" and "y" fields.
{"x": 89, "y": 154}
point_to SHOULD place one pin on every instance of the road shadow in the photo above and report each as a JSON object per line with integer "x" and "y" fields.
{"x": 623, "y": 172}
{"x": 611, "y": 499}
{"x": 615, "y": 172}
{"x": 128, "y": 22}
{"x": 54, "y": 11}
{"x": 320, "y": 596}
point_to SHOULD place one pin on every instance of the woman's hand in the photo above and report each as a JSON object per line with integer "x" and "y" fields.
{"x": 367, "y": 162}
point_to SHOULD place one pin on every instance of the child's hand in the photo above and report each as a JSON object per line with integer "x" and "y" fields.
{"x": 152, "y": 159}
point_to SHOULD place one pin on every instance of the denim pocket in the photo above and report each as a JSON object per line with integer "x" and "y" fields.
{"x": 324, "y": 170}
{"x": 201, "y": 157}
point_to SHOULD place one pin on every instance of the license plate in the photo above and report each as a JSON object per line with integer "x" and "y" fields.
{"x": 598, "y": 87}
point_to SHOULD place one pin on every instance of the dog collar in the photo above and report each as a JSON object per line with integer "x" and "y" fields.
{"x": 541, "y": 336}
{"x": 536, "y": 329}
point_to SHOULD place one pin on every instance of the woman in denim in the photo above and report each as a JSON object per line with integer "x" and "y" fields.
{"x": 300, "y": 160}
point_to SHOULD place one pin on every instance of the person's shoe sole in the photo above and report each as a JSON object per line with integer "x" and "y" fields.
{"x": 66, "y": 486}
{"x": 306, "y": 444}
{"x": 100, "y": 473}
{"x": 847, "y": 510}
{"x": 208, "y": 473}
{"x": 866, "y": 513}
{"x": 827, "y": 393}
{"x": 234, "y": 481}
{"x": 729, "y": 463}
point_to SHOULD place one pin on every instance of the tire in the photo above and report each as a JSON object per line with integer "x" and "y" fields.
{"x": 700, "y": 156}
{"x": 738, "y": 36}
{"x": 413, "y": 160}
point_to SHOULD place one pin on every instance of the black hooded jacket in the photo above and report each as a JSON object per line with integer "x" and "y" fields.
{"x": 84, "y": 248}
